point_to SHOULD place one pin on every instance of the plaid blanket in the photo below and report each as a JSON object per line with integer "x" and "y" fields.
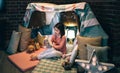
{"x": 52, "y": 66}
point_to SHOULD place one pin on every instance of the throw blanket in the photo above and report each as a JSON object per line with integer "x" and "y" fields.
{"x": 89, "y": 25}
{"x": 48, "y": 7}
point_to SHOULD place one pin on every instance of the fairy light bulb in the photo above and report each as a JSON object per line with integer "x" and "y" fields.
{"x": 89, "y": 72}
{"x": 83, "y": 65}
{"x": 105, "y": 68}
{"x": 94, "y": 61}
{"x": 87, "y": 66}
{"x": 100, "y": 68}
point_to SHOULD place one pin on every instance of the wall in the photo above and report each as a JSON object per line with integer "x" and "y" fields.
{"x": 107, "y": 14}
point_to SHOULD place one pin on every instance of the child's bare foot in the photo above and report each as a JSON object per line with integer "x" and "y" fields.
{"x": 33, "y": 57}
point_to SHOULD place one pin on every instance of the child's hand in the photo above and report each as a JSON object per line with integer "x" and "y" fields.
{"x": 64, "y": 56}
{"x": 33, "y": 57}
{"x": 53, "y": 44}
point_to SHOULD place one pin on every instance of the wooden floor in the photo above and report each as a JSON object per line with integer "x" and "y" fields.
{"x": 7, "y": 67}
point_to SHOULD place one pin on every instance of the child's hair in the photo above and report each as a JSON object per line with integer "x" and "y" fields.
{"x": 61, "y": 27}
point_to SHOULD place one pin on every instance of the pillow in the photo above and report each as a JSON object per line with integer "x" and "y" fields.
{"x": 25, "y": 37}
{"x": 82, "y": 41}
{"x": 101, "y": 52}
{"x": 73, "y": 54}
{"x": 14, "y": 41}
{"x": 40, "y": 39}
{"x": 22, "y": 60}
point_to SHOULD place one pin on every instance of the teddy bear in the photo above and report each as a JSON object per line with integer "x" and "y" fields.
{"x": 31, "y": 46}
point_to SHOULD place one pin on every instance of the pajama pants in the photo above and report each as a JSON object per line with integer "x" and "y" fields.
{"x": 49, "y": 53}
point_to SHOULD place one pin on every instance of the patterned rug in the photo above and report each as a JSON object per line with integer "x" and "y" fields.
{"x": 52, "y": 66}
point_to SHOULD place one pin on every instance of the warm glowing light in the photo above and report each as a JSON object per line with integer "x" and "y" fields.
{"x": 89, "y": 72}
{"x": 105, "y": 68}
{"x": 71, "y": 34}
{"x": 88, "y": 66}
{"x": 94, "y": 59}
{"x": 83, "y": 65}
{"x": 100, "y": 68}
{"x": 94, "y": 63}
{"x": 70, "y": 24}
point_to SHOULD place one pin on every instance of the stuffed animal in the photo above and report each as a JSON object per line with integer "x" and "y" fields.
{"x": 31, "y": 46}
{"x": 37, "y": 46}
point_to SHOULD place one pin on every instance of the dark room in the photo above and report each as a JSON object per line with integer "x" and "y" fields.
{"x": 64, "y": 36}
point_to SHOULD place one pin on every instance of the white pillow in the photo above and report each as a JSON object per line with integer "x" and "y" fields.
{"x": 14, "y": 41}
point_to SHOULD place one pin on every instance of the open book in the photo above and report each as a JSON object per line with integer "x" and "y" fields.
{"x": 46, "y": 42}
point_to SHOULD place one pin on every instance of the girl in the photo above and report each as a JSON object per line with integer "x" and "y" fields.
{"x": 58, "y": 43}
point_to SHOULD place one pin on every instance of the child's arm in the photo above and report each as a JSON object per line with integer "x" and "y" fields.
{"x": 50, "y": 37}
{"x": 69, "y": 54}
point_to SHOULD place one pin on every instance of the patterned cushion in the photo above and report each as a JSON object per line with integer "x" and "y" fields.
{"x": 22, "y": 60}
{"x": 52, "y": 66}
{"x": 82, "y": 41}
{"x": 101, "y": 52}
{"x": 25, "y": 37}
{"x": 14, "y": 41}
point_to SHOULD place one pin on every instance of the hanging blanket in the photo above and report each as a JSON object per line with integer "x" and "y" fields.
{"x": 48, "y": 7}
{"x": 89, "y": 25}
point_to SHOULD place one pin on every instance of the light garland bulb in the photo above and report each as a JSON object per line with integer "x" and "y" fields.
{"x": 94, "y": 59}
{"x": 88, "y": 66}
{"x": 100, "y": 68}
{"x": 89, "y": 72}
{"x": 94, "y": 63}
{"x": 83, "y": 64}
{"x": 105, "y": 68}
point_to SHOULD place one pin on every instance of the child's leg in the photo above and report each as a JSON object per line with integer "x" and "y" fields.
{"x": 42, "y": 54}
{"x": 47, "y": 50}
{"x": 52, "y": 53}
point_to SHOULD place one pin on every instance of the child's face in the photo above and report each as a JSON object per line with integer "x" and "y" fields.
{"x": 57, "y": 31}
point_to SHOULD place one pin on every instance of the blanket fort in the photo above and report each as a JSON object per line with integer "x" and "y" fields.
{"x": 89, "y": 25}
